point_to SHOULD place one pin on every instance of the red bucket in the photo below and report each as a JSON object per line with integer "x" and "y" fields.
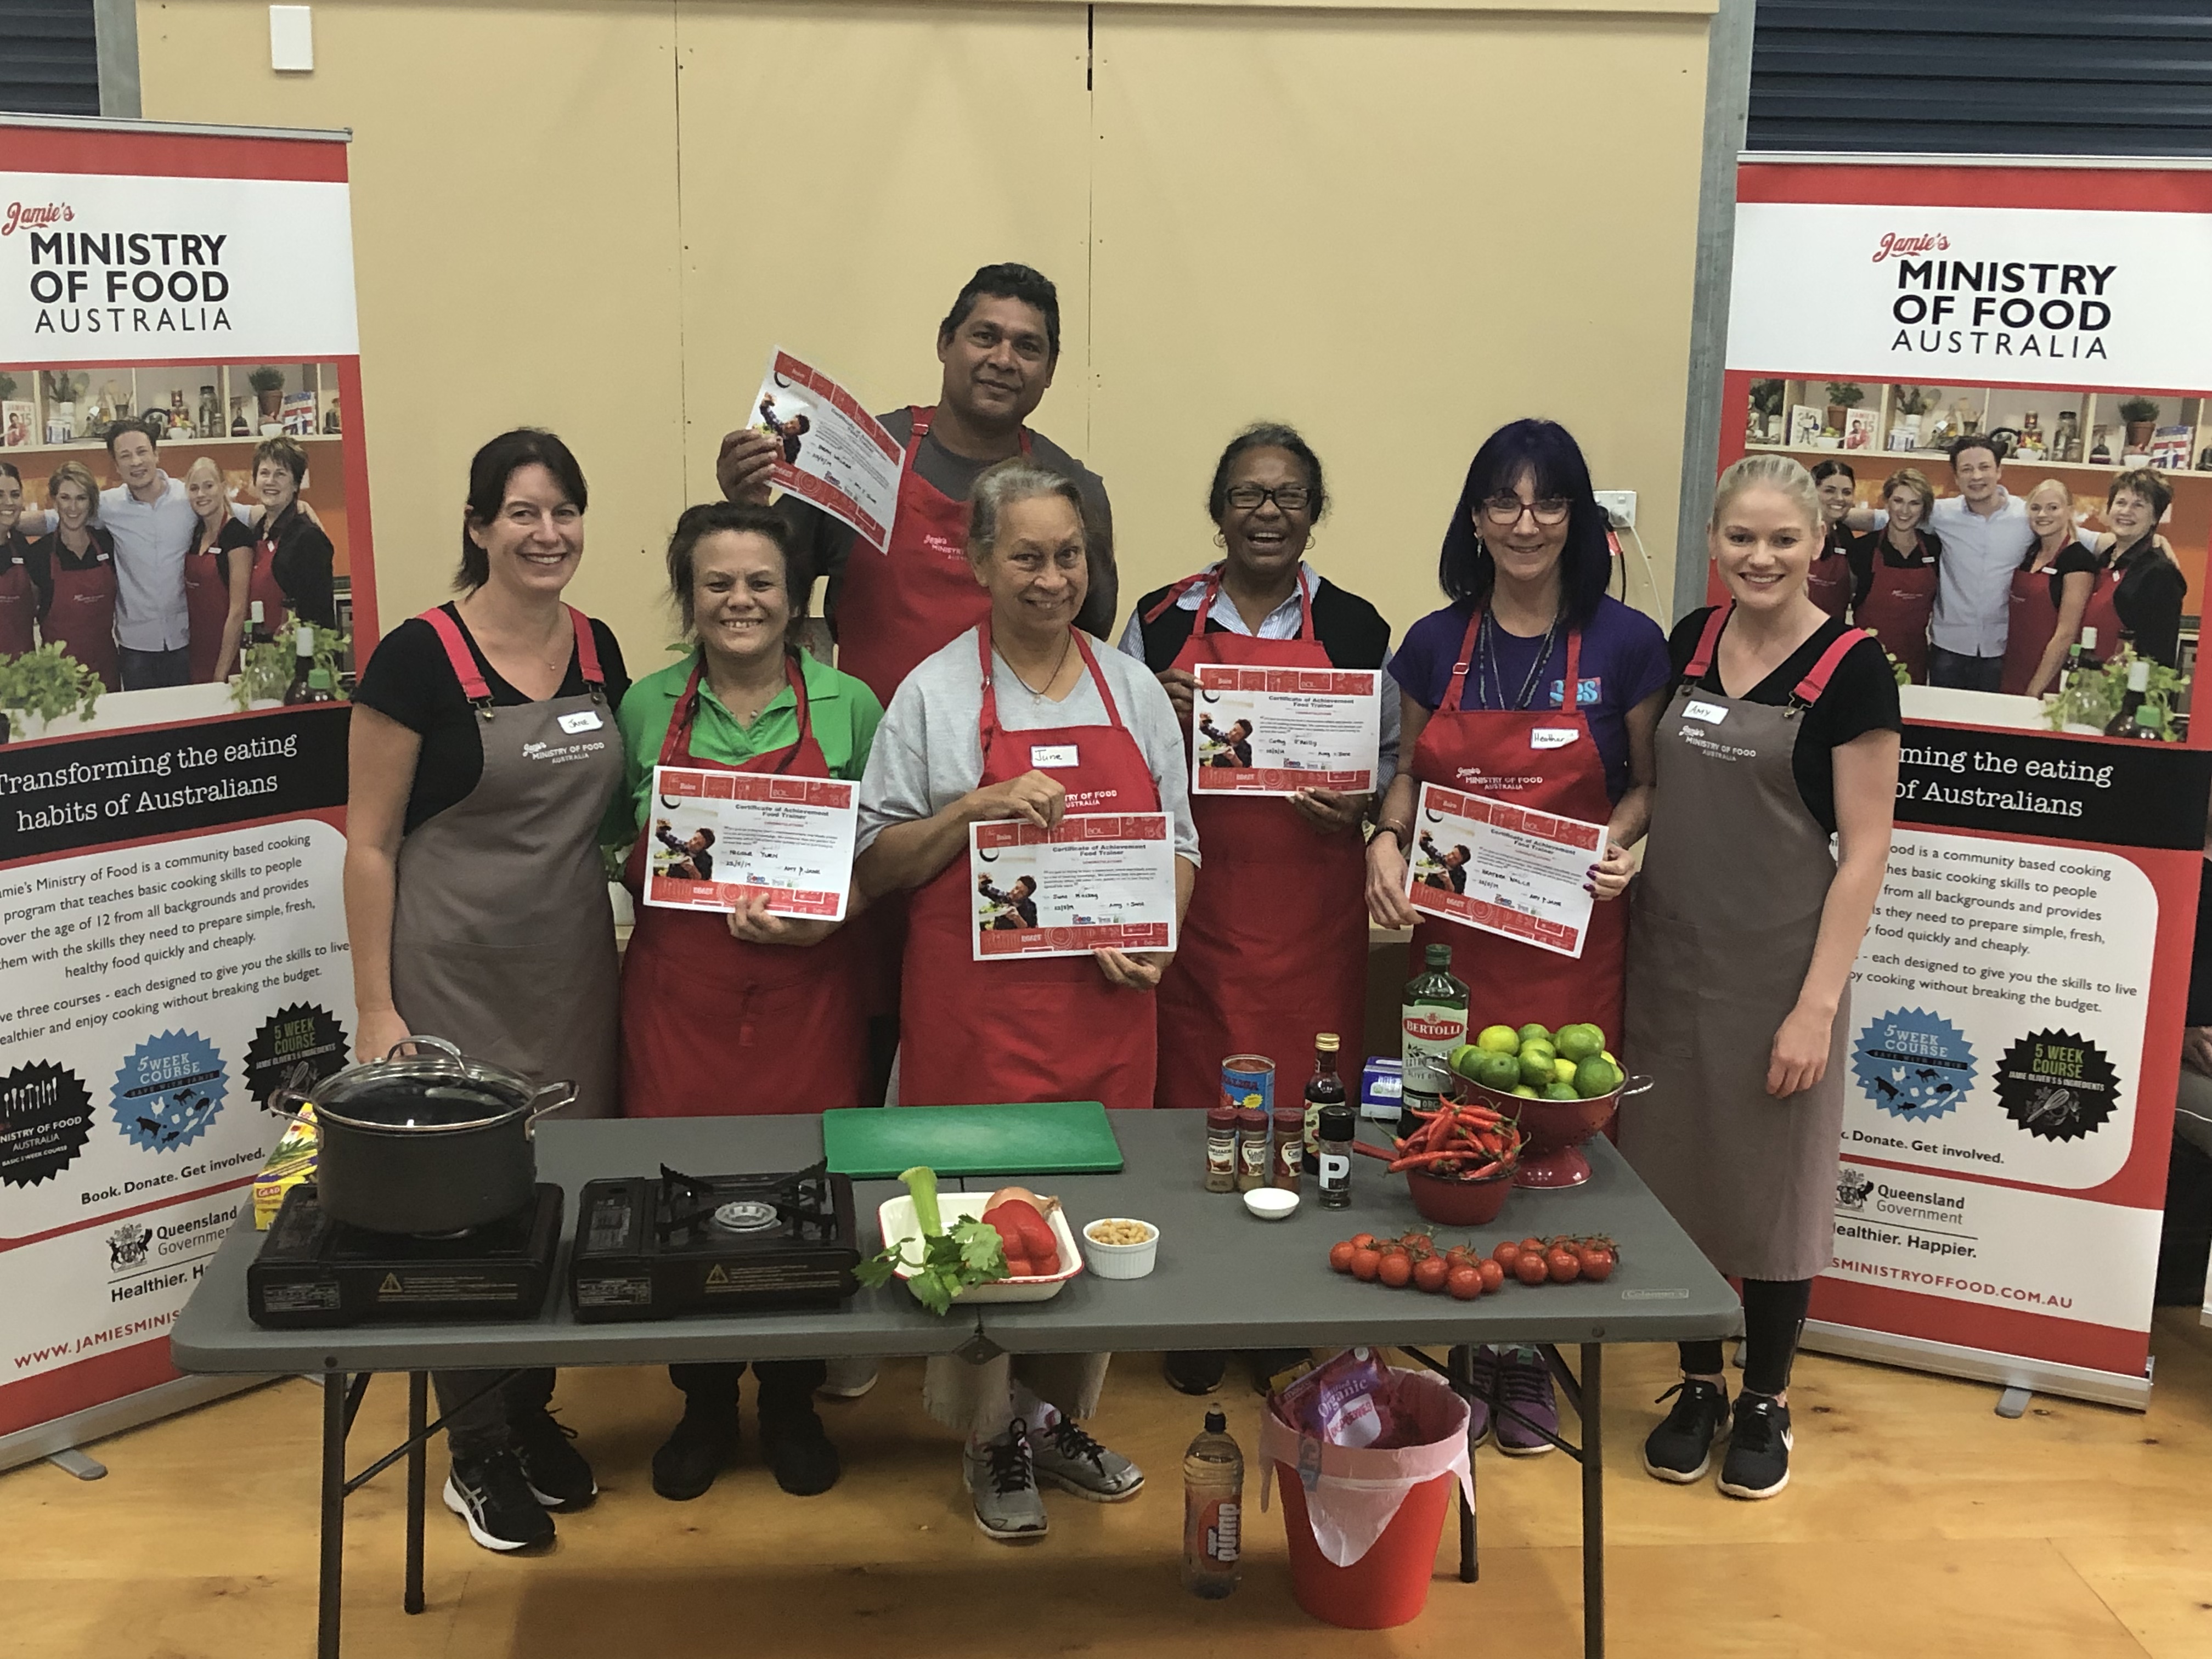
{"x": 1387, "y": 1587}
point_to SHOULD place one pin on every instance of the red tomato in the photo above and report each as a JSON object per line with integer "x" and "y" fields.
{"x": 1493, "y": 1274}
{"x": 1366, "y": 1264}
{"x": 1563, "y": 1264}
{"x": 1466, "y": 1282}
{"x": 1597, "y": 1262}
{"x": 1420, "y": 1243}
{"x": 1503, "y": 1255}
{"x": 1396, "y": 1270}
{"x": 1431, "y": 1272}
{"x": 1363, "y": 1241}
{"x": 1340, "y": 1257}
{"x": 1529, "y": 1267}
{"x": 1533, "y": 1247}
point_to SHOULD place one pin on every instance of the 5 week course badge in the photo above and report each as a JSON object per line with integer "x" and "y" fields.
{"x": 168, "y": 1091}
{"x": 2057, "y": 1085}
{"x": 1913, "y": 1064}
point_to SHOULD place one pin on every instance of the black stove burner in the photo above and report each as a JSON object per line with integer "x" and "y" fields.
{"x": 650, "y": 1248}
{"x": 313, "y": 1271}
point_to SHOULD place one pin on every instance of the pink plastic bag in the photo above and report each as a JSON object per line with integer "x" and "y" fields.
{"x": 1354, "y": 1492}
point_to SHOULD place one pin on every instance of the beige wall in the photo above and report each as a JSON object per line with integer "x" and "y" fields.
{"x": 1394, "y": 227}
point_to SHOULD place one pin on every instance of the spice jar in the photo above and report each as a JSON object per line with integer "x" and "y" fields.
{"x": 1251, "y": 1148}
{"x": 1288, "y": 1157}
{"x": 1221, "y": 1150}
{"x": 1333, "y": 1167}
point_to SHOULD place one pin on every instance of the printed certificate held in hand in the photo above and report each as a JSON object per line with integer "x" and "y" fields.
{"x": 1502, "y": 868}
{"x": 717, "y": 840}
{"x": 1099, "y": 881}
{"x": 835, "y": 453}
{"x": 1277, "y": 731}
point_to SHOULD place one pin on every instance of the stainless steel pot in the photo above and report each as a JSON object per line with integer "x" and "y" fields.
{"x": 432, "y": 1142}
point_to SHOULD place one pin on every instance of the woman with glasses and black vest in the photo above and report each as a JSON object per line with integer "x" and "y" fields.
{"x": 1536, "y": 686}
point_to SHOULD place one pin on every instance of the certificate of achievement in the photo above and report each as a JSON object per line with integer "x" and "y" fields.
{"x": 1503, "y": 868}
{"x": 717, "y": 840}
{"x": 1276, "y": 731}
{"x": 1099, "y": 881}
{"x": 835, "y": 454}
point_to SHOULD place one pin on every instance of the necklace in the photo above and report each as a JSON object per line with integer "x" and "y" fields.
{"x": 1489, "y": 646}
{"x": 1036, "y": 694}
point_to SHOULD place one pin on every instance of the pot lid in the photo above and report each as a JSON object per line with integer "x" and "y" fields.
{"x": 435, "y": 1088}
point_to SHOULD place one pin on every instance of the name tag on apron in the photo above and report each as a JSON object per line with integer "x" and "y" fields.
{"x": 1711, "y": 712}
{"x": 1551, "y": 737}
{"x": 584, "y": 720}
{"x": 1045, "y": 756}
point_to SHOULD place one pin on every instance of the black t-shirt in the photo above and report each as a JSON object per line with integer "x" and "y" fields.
{"x": 2075, "y": 556}
{"x": 2148, "y": 597}
{"x": 1928, "y": 551}
{"x": 409, "y": 679}
{"x": 1861, "y": 697}
{"x": 302, "y": 568}
{"x": 1351, "y": 631}
{"x": 16, "y": 550}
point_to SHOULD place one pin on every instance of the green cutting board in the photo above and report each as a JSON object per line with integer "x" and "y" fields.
{"x": 1057, "y": 1137}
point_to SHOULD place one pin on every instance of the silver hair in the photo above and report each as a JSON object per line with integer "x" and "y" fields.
{"x": 1775, "y": 472}
{"x": 1017, "y": 478}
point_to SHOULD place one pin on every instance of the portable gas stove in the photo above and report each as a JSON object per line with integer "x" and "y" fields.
{"x": 315, "y": 1271}
{"x": 653, "y": 1248}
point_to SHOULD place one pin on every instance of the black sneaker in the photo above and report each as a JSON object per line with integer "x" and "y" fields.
{"x": 1194, "y": 1373}
{"x": 798, "y": 1453}
{"x": 1680, "y": 1449}
{"x": 1757, "y": 1461}
{"x": 700, "y": 1447}
{"x": 1268, "y": 1364}
{"x": 559, "y": 1477}
{"x": 491, "y": 1494}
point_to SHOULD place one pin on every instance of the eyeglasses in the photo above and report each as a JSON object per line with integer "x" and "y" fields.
{"x": 1505, "y": 511}
{"x": 1292, "y": 498}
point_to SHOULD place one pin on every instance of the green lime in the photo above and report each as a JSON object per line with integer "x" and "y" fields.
{"x": 1579, "y": 1043}
{"x": 1607, "y": 1056}
{"x": 1563, "y": 1069}
{"x": 1561, "y": 1091}
{"x": 1499, "y": 1039}
{"x": 1465, "y": 1058}
{"x": 1535, "y": 1034}
{"x": 1525, "y": 1092}
{"x": 1536, "y": 1062}
{"x": 1500, "y": 1072}
{"x": 1596, "y": 1077}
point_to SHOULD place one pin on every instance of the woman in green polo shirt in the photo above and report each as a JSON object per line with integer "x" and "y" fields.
{"x": 740, "y": 1011}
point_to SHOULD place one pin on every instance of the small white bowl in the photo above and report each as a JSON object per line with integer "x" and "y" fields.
{"x": 1122, "y": 1261}
{"x": 1270, "y": 1203}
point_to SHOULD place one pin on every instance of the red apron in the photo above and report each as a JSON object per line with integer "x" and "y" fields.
{"x": 1044, "y": 1027}
{"x": 18, "y": 600}
{"x": 1494, "y": 752}
{"x": 82, "y": 616}
{"x": 714, "y": 1026}
{"x": 2102, "y": 612}
{"x": 2032, "y": 620}
{"x": 1896, "y": 609}
{"x": 263, "y": 585}
{"x": 894, "y": 609}
{"x": 1829, "y": 581}
{"x": 207, "y": 608}
{"x": 1274, "y": 948}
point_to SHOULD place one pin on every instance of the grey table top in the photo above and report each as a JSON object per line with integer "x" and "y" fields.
{"x": 1224, "y": 1279}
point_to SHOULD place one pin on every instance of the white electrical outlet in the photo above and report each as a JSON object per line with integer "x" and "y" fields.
{"x": 1620, "y": 506}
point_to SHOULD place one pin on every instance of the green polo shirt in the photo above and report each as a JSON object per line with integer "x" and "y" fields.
{"x": 845, "y": 715}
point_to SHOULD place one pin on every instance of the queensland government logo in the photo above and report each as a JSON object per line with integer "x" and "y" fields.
{"x": 126, "y": 1247}
{"x": 1913, "y": 1064}
{"x": 1853, "y": 1187}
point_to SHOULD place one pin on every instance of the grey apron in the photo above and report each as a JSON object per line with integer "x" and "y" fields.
{"x": 1725, "y": 917}
{"x": 502, "y": 939}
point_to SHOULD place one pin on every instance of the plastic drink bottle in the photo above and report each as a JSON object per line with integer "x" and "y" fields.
{"x": 1212, "y": 1511}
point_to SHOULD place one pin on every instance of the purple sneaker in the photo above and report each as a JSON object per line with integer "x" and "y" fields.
{"x": 1524, "y": 1386}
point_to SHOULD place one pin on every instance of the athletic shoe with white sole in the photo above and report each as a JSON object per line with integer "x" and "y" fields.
{"x": 1528, "y": 1407}
{"x": 1002, "y": 1485}
{"x": 849, "y": 1379}
{"x": 1680, "y": 1449}
{"x": 491, "y": 1494}
{"x": 559, "y": 1477}
{"x": 1757, "y": 1461}
{"x": 1073, "y": 1462}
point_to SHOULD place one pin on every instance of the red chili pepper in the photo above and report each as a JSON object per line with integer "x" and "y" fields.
{"x": 1371, "y": 1152}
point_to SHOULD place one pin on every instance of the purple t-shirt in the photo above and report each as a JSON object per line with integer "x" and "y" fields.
{"x": 1624, "y": 660}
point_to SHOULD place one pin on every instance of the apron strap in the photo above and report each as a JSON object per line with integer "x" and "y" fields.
{"x": 1173, "y": 597}
{"x": 474, "y": 687}
{"x": 1570, "y": 689}
{"x": 587, "y": 648}
{"x": 987, "y": 718}
{"x": 918, "y": 428}
{"x": 1453, "y": 698}
{"x": 1701, "y": 659}
{"x": 1816, "y": 681}
{"x": 676, "y": 747}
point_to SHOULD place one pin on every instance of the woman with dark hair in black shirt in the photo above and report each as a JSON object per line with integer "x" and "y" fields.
{"x": 1829, "y": 581}
{"x": 2148, "y": 597}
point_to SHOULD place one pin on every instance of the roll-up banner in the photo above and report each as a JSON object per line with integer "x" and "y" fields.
{"x": 2015, "y": 1019}
{"x": 173, "y": 943}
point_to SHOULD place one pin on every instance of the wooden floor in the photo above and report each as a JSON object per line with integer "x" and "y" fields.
{"x": 1918, "y": 1522}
